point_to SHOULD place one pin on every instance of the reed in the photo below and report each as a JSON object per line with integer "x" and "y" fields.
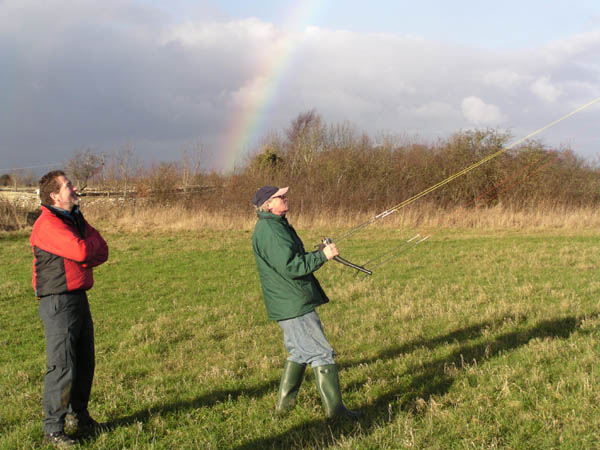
{"x": 179, "y": 218}
{"x": 12, "y": 217}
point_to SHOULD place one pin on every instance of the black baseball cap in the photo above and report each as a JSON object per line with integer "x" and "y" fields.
{"x": 267, "y": 192}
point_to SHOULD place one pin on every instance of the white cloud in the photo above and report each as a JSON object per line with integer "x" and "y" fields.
{"x": 437, "y": 111}
{"x": 477, "y": 112}
{"x": 577, "y": 47}
{"x": 251, "y": 31}
{"x": 545, "y": 90}
{"x": 504, "y": 78}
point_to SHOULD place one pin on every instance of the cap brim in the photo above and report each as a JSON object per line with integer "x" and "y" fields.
{"x": 281, "y": 191}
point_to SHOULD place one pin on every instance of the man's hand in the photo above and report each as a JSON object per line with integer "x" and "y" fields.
{"x": 330, "y": 251}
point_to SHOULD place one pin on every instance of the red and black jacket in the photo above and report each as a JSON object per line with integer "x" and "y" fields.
{"x": 65, "y": 248}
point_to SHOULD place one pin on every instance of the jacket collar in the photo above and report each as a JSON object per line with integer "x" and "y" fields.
{"x": 60, "y": 212}
{"x": 74, "y": 218}
{"x": 270, "y": 216}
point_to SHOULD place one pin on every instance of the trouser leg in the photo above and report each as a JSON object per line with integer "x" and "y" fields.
{"x": 58, "y": 382}
{"x": 305, "y": 340}
{"x": 61, "y": 315}
{"x": 84, "y": 364}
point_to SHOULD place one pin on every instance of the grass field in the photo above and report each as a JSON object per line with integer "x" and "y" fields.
{"x": 472, "y": 339}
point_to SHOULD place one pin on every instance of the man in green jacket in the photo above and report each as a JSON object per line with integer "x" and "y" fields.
{"x": 291, "y": 293}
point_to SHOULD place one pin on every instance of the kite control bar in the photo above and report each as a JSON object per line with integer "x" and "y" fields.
{"x": 345, "y": 262}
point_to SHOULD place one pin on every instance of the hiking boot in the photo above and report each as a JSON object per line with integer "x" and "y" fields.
{"x": 59, "y": 439}
{"x": 83, "y": 425}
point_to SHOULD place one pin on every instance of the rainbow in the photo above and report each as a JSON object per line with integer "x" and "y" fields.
{"x": 248, "y": 121}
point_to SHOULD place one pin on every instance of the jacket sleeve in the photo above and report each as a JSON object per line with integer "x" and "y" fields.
{"x": 59, "y": 239}
{"x": 98, "y": 252}
{"x": 283, "y": 255}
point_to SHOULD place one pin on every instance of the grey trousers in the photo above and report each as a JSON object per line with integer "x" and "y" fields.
{"x": 70, "y": 357}
{"x": 305, "y": 340}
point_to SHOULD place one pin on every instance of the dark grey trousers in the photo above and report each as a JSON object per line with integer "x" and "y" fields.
{"x": 70, "y": 357}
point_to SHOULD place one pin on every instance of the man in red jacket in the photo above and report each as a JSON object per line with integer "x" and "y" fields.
{"x": 65, "y": 249}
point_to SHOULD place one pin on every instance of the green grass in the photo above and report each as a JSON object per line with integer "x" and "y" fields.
{"x": 469, "y": 340}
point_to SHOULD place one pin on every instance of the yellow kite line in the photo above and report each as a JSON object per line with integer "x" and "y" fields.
{"x": 462, "y": 172}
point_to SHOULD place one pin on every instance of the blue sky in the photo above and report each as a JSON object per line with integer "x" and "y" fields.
{"x": 490, "y": 24}
{"x": 164, "y": 76}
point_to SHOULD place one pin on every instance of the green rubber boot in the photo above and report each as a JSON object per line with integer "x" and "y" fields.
{"x": 291, "y": 379}
{"x": 328, "y": 385}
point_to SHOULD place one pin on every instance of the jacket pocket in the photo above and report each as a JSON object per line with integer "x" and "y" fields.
{"x": 48, "y": 307}
{"x": 305, "y": 287}
{"x": 58, "y": 347}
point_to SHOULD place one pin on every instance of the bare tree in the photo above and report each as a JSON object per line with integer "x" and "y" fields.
{"x": 83, "y": 166}
{"x": 126, "y": 162}
{"x": 302, "y": 124}
{"x": 16, "y": 176}
{"x": 103, "y": 169}
{"x": 193, "y": 157}
{"x": 29, "y": 178}
{"x": 306, "y": 136}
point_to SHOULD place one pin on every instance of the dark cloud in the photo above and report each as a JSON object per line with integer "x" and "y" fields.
{"x": 79, "y": 74}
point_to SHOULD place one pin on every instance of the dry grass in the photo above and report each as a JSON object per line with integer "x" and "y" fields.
{"x": 179, "y": 218}
{"x": 12, "y": 217}
{"x": 138, "y": 217}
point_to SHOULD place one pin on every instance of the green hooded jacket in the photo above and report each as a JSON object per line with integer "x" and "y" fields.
{"x": 286, "y": 271}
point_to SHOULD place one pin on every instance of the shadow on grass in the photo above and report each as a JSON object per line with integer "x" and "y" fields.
{"x": 460, "y": 335}
{"x": 432, "y": 378}
{"x": 429, "y": 379}
{"x": 207, "y": 400}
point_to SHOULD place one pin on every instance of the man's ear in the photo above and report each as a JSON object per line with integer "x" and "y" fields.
{"x": 53, "y": 196}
